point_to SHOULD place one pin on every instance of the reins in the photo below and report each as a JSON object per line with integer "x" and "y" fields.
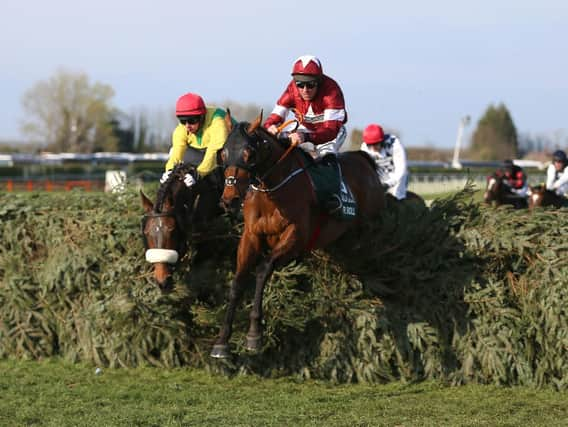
{"x": 279, "y": 185}
{"x": 291, "y": 146}
{"x": 282, "y": 157}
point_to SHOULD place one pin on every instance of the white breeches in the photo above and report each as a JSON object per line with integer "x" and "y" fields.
{"x": 331, "y": 147}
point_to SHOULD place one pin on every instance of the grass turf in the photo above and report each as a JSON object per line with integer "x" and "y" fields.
{"x": 56, "y": 393}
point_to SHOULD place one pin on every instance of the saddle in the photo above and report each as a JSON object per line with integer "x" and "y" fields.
{"x": 328, "y": 183}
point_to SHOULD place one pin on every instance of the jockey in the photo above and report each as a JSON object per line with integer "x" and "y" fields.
{"x": 557, "y": 174}
{"x": 515, "y": 179}
{"x": 390, "y": 156}
{"x": 200, "y": 133}
{"x": 319, "y": 106}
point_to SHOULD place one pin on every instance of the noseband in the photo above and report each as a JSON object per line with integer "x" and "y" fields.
{"x": 232, "y": 180}
{"x": 154, "y": 255}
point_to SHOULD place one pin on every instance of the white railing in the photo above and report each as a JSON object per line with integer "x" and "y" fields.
{"x": 442, "y": 183}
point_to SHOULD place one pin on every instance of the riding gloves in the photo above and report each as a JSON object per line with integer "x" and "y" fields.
{"x": 165, "y": 176}
{"x": 188, "y": 180}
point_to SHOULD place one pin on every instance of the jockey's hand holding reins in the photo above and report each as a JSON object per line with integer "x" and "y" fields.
{"x": 293, "y": 143}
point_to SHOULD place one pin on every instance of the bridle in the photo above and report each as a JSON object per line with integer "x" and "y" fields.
{"x": 159, "y": 254}
{"x": 145, "y": 219}
{"x": 253, "y": 145}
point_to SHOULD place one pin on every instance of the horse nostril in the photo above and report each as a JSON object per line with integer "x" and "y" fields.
{"x": 167, "y": 285}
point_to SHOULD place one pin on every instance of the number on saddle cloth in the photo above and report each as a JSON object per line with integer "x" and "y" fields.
{"x": 328, "y": 181}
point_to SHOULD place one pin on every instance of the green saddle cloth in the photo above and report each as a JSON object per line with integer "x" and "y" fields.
{"x": 328, "y": 181}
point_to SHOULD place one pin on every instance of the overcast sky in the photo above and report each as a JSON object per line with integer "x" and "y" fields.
{"x": 416, "y": 66}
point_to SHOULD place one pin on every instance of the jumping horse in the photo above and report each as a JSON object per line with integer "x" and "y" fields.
{"x": 282, "y": 218}
{"x": 539, "y": 196}
{"x": 498, "y": 193}
{"x": 179, "y": 214}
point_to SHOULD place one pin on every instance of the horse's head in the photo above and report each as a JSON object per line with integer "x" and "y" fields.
{"x": 495, "y": 189}
{"x": 165, "y": 224}
{"x": 539, "y": 196}
{"x": 244, "y": 156}
{"x": 490, "y": 190}
{"x": 536, "y": 196}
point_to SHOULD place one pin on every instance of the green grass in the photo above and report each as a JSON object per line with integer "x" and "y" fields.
{"x": 55, "y": 393}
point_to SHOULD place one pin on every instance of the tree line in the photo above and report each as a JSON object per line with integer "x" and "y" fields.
{"x": 72, "y": 114}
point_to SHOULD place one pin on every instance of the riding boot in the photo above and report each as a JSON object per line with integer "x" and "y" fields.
{"x": 333, "y": 203}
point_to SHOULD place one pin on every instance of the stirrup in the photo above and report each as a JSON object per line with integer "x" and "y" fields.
{"x": 333, "y": 205}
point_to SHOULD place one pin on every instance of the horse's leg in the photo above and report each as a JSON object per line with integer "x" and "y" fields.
{"x": 247, "y": 254}
{"x": 288, "y": 247}
{"x": 254, "y": 334}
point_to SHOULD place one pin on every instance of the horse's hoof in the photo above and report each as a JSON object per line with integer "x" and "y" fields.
{"x": 254, "y": 343}
{"x": 220, "y": 351}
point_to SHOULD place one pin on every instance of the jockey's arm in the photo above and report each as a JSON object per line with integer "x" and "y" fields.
{"x": 374, "y": 155}
{"x": 561, "y": 181}
{"x": 281, "y": 109}
{"x": 550, "y": 177}
{"x": 399, "y": 161}
{"x": 519, "y": 180}
{"x": 179, "y": 146}
{"x": 325, "y": 133}
{"x": 215, "y": 139}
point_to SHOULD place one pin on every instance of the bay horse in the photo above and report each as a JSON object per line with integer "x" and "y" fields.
{"x": 282, "y": 217}
{"x": 498, "y": 193}
{"x": 411, "y": 198}
{"x": 539, "y": 196}
{"x": 169, "y": 224}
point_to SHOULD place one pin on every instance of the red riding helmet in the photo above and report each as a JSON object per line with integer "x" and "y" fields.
{"x": 308, "y": 65}
{"x": 190, "y": 104}
{"x": 373, "y": 134}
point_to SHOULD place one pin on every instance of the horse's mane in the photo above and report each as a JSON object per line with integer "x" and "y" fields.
{"x": 178, "y": 172}
{"x": 367, "y": 156}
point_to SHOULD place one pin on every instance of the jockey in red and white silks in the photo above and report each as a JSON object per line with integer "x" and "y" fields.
{"x": 318, "y": 103}
{"x": 515, "y": 179}
{"x": 390, "y": 157}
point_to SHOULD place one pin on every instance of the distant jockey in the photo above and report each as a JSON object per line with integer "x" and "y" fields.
{"x": 557, "y": 174}
{"x": 515, "y": 179}
{"x": 390, "y": 157}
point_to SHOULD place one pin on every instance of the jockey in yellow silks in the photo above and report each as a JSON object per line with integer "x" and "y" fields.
{"x": 200, "y": 128}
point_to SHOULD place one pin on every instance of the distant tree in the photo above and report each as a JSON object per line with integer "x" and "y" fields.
{"x": 70, "y": 114}
{"x": 152, "y": 129}
{"x": 543, "y": 142}
{"x": 245, "y": 112}
{"x": 353, "y": 142}
{"x": 123, "y": 130}
{"x": 495, "y": 137}
{"x": 429, "y": 154}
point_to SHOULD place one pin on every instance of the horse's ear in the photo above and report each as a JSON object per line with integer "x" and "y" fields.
{"x": 254, "y": 125}
{"x": 229, "y": 120}
{"x": 146, "y": 203}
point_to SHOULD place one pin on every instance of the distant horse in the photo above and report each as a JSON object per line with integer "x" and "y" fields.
{"x": 539, "y": 196}
{"x": 282, "y": 218}
{"x": 498, "y": 193}
{"x": 168, "y": 225}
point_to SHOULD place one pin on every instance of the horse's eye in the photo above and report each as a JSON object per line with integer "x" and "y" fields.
{"x": 246, "y": 155}
{"x": 224, "y": 155}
